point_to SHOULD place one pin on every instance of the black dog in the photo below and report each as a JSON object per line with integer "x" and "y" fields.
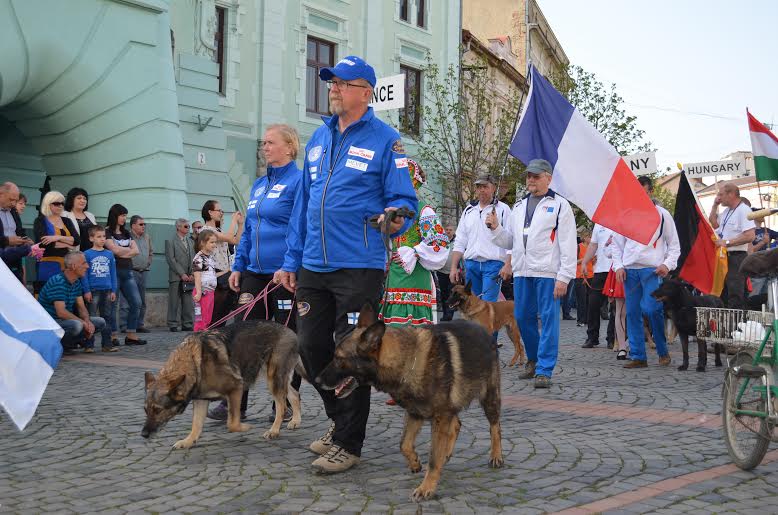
{"x": 680, "y": 304}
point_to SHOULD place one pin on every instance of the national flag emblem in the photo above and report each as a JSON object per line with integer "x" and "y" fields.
{"x": 588, "y": 171}
{"x": 285, "y": 305}
{"x": 764, "y": 145}
{"x": 353, "y": 318}
{"x": 701, "y": 263}
{"x": 29, "y": 349}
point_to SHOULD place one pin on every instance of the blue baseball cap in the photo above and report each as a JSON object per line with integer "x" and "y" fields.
{"x": 349, "y": 68}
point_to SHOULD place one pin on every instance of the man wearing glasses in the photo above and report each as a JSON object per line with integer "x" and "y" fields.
{"x": 179, "y": 251}
{"x": 355, "y": 167}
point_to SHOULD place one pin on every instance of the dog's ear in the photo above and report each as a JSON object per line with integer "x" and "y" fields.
{"x": 149, "y": 377}
{"x": 366, "y": 316}
{"x": 469, "y": 287}
{"x": 373, "y": 336}
{"x": 173, "y": 387}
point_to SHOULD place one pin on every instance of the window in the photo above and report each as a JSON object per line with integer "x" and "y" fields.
{"x": 320, "y": 54}
{"x": 219, "y": 43}
{"x": 404, "y": 10}
{"x": 420, "y": 21}
{"x": 410, "y": 116}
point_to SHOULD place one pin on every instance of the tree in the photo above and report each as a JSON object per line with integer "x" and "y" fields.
{"x": 465, "y": 133}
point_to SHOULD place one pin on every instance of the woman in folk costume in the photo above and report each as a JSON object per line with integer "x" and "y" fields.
{"x": 410, "y": 291}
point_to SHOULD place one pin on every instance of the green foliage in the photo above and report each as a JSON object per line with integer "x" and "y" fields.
{"x": 465, "y": 133}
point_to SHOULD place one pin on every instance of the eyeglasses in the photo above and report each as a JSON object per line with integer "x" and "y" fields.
{"x": 218, "y": 210}
{"x": 141, "y": 224}
{"x": 59, "y": 204}
{"x": 341, "y": 85}
{"x": 186, "y": 227}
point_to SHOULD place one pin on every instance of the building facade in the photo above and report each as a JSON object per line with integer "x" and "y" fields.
{"x": 160, "y": 105}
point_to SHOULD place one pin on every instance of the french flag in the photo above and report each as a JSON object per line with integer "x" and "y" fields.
{"x": 29, "y": 349}
{"x": 587, "y": 169}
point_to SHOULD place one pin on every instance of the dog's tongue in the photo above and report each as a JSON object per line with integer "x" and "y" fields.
{"x": 343, "y": 385}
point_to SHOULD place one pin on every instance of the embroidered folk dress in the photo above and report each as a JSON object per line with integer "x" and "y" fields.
{"x": 410, "y": 297}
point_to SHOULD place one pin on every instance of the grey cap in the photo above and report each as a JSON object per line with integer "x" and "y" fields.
{"x": 485, "y": 178}
{"x": 540, "y": 166}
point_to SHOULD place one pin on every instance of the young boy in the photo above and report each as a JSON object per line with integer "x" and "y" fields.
{"x": 99, "y": 283}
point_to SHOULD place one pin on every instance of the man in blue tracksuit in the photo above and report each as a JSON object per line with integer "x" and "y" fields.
{"x": 355, "y": 167}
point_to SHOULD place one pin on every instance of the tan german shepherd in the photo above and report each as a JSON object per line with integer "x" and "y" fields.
{"x": 433, "y": 372}
{"x": 491, "y": 315}
{"x": 221, "y": 364}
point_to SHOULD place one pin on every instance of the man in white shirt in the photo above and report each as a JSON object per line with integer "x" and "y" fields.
{"x": 641, "y": 267}
{"x": 735, "y": 231}
{"x": 596, "y": 249}
{"x": 485, "y": 262}
{"x": 541, "y": 234}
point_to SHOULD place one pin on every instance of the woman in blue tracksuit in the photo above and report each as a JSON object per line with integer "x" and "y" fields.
{"x": 263, "y": 243}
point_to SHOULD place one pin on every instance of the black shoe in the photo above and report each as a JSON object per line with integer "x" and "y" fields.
{"x": 142, "y": 330}
{"x": 567, "y": 317}
{"x": 174, "y": 329}
{"x": 187, "y": 329}
{"x": 128, "y": 341}
{"x": 581, "y": 324}
{"x": 589, "y": 345}
{"x": 220, "y": 412}
{"x": 610, "y": 345}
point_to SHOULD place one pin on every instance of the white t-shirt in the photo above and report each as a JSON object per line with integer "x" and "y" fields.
{"x": 733, "y": 223}
{"x": 600, "y": 236}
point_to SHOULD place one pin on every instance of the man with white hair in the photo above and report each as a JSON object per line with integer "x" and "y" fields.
{"x": 14, "y": 243}
{"x": 179, "y": 252}
{"x": 62, "y": 297}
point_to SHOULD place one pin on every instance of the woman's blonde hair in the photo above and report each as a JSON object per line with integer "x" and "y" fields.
{"x": 48, "y": 198}
{"x": 289, "y": 135}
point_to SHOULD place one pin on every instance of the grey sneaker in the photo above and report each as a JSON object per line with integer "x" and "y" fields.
{"x": 542, "y": 382}
{"x": 529, "y": 371}
{"x": 323, "y": 444}
{"x": 336, "y": 460}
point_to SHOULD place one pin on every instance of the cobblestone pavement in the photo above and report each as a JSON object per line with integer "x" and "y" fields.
{"x": 602, "y": 439}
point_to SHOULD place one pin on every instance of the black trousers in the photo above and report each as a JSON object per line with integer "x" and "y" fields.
{"x": 581, "y": 300}
{"x": 325, "y": 300}
{"x": 596, "y": 300}
{"x": 280, "y": 307}
{"x": 445, "y": 292}
{"x": 734, "y": 294}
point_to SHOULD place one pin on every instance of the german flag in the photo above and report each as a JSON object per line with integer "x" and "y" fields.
{"x": 701, "y": 264}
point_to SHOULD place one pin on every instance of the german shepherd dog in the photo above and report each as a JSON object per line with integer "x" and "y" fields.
{"x": 221, "y": 364}
{"x": 491, "y": 315}
{"x": 680, "y": 304}
{"x": 433, "y": 372}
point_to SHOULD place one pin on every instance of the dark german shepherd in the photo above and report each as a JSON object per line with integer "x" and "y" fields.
{"x": 433, "y": 372}
{"x": 491, "y": 315}
{"x": 221, "y": 364}
{"x": 680, "y": 304}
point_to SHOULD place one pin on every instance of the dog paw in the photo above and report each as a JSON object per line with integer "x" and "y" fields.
{"x": 685, "y": 366}
{"x": 700, "y": 368}
{"x": 240, "y": 428}
{"x": 496, "y": 462}
{"x": 270, "y": 434}
{"x": 293, "y": 424}
{"x": 414, "y": 466}
{"x": 183, "y": 444}
{"x": 422, "y": 493}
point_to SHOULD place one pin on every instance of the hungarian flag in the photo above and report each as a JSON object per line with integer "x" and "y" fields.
{"x": 701, "y": 263}
{"x": 764, "y": 145}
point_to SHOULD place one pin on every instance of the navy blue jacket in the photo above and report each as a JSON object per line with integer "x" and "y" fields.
{"x": 342, "y": 187}
{"x": 263, "y": 243}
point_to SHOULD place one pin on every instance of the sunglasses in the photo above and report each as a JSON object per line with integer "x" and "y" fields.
{"x": 59, "y": 204}
{"x": 140, "y": 224}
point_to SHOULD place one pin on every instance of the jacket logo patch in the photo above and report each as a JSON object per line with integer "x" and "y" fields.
{"x": 314, "y": 153}
{"x": 259, "y": 191}
{"x": 361, "y": 152}
{"x": 274, "y": 194}
{"x": 278, "y": 187}
{"x": 550, "y": 209}
{"x": 303, "y": 308}
{"x": 398, "y": 147}
{"x": 357, "y": 165}
{"x": 401, "y": 162}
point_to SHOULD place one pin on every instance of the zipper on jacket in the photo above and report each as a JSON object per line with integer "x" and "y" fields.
{"x": 324, "y": 192}
{"x": 364, "y": 222}
{"x": 259, "y": 203}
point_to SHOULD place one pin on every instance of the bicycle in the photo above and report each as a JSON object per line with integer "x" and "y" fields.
{"x": 750, "y": 393}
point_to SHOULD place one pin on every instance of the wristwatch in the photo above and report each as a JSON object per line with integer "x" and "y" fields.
{"x": 726, "y": 243}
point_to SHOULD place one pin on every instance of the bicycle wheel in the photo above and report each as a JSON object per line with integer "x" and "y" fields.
{"x": 747, "y": 437}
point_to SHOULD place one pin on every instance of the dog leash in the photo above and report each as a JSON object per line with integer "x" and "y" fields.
{"x": 247, "y": 307}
